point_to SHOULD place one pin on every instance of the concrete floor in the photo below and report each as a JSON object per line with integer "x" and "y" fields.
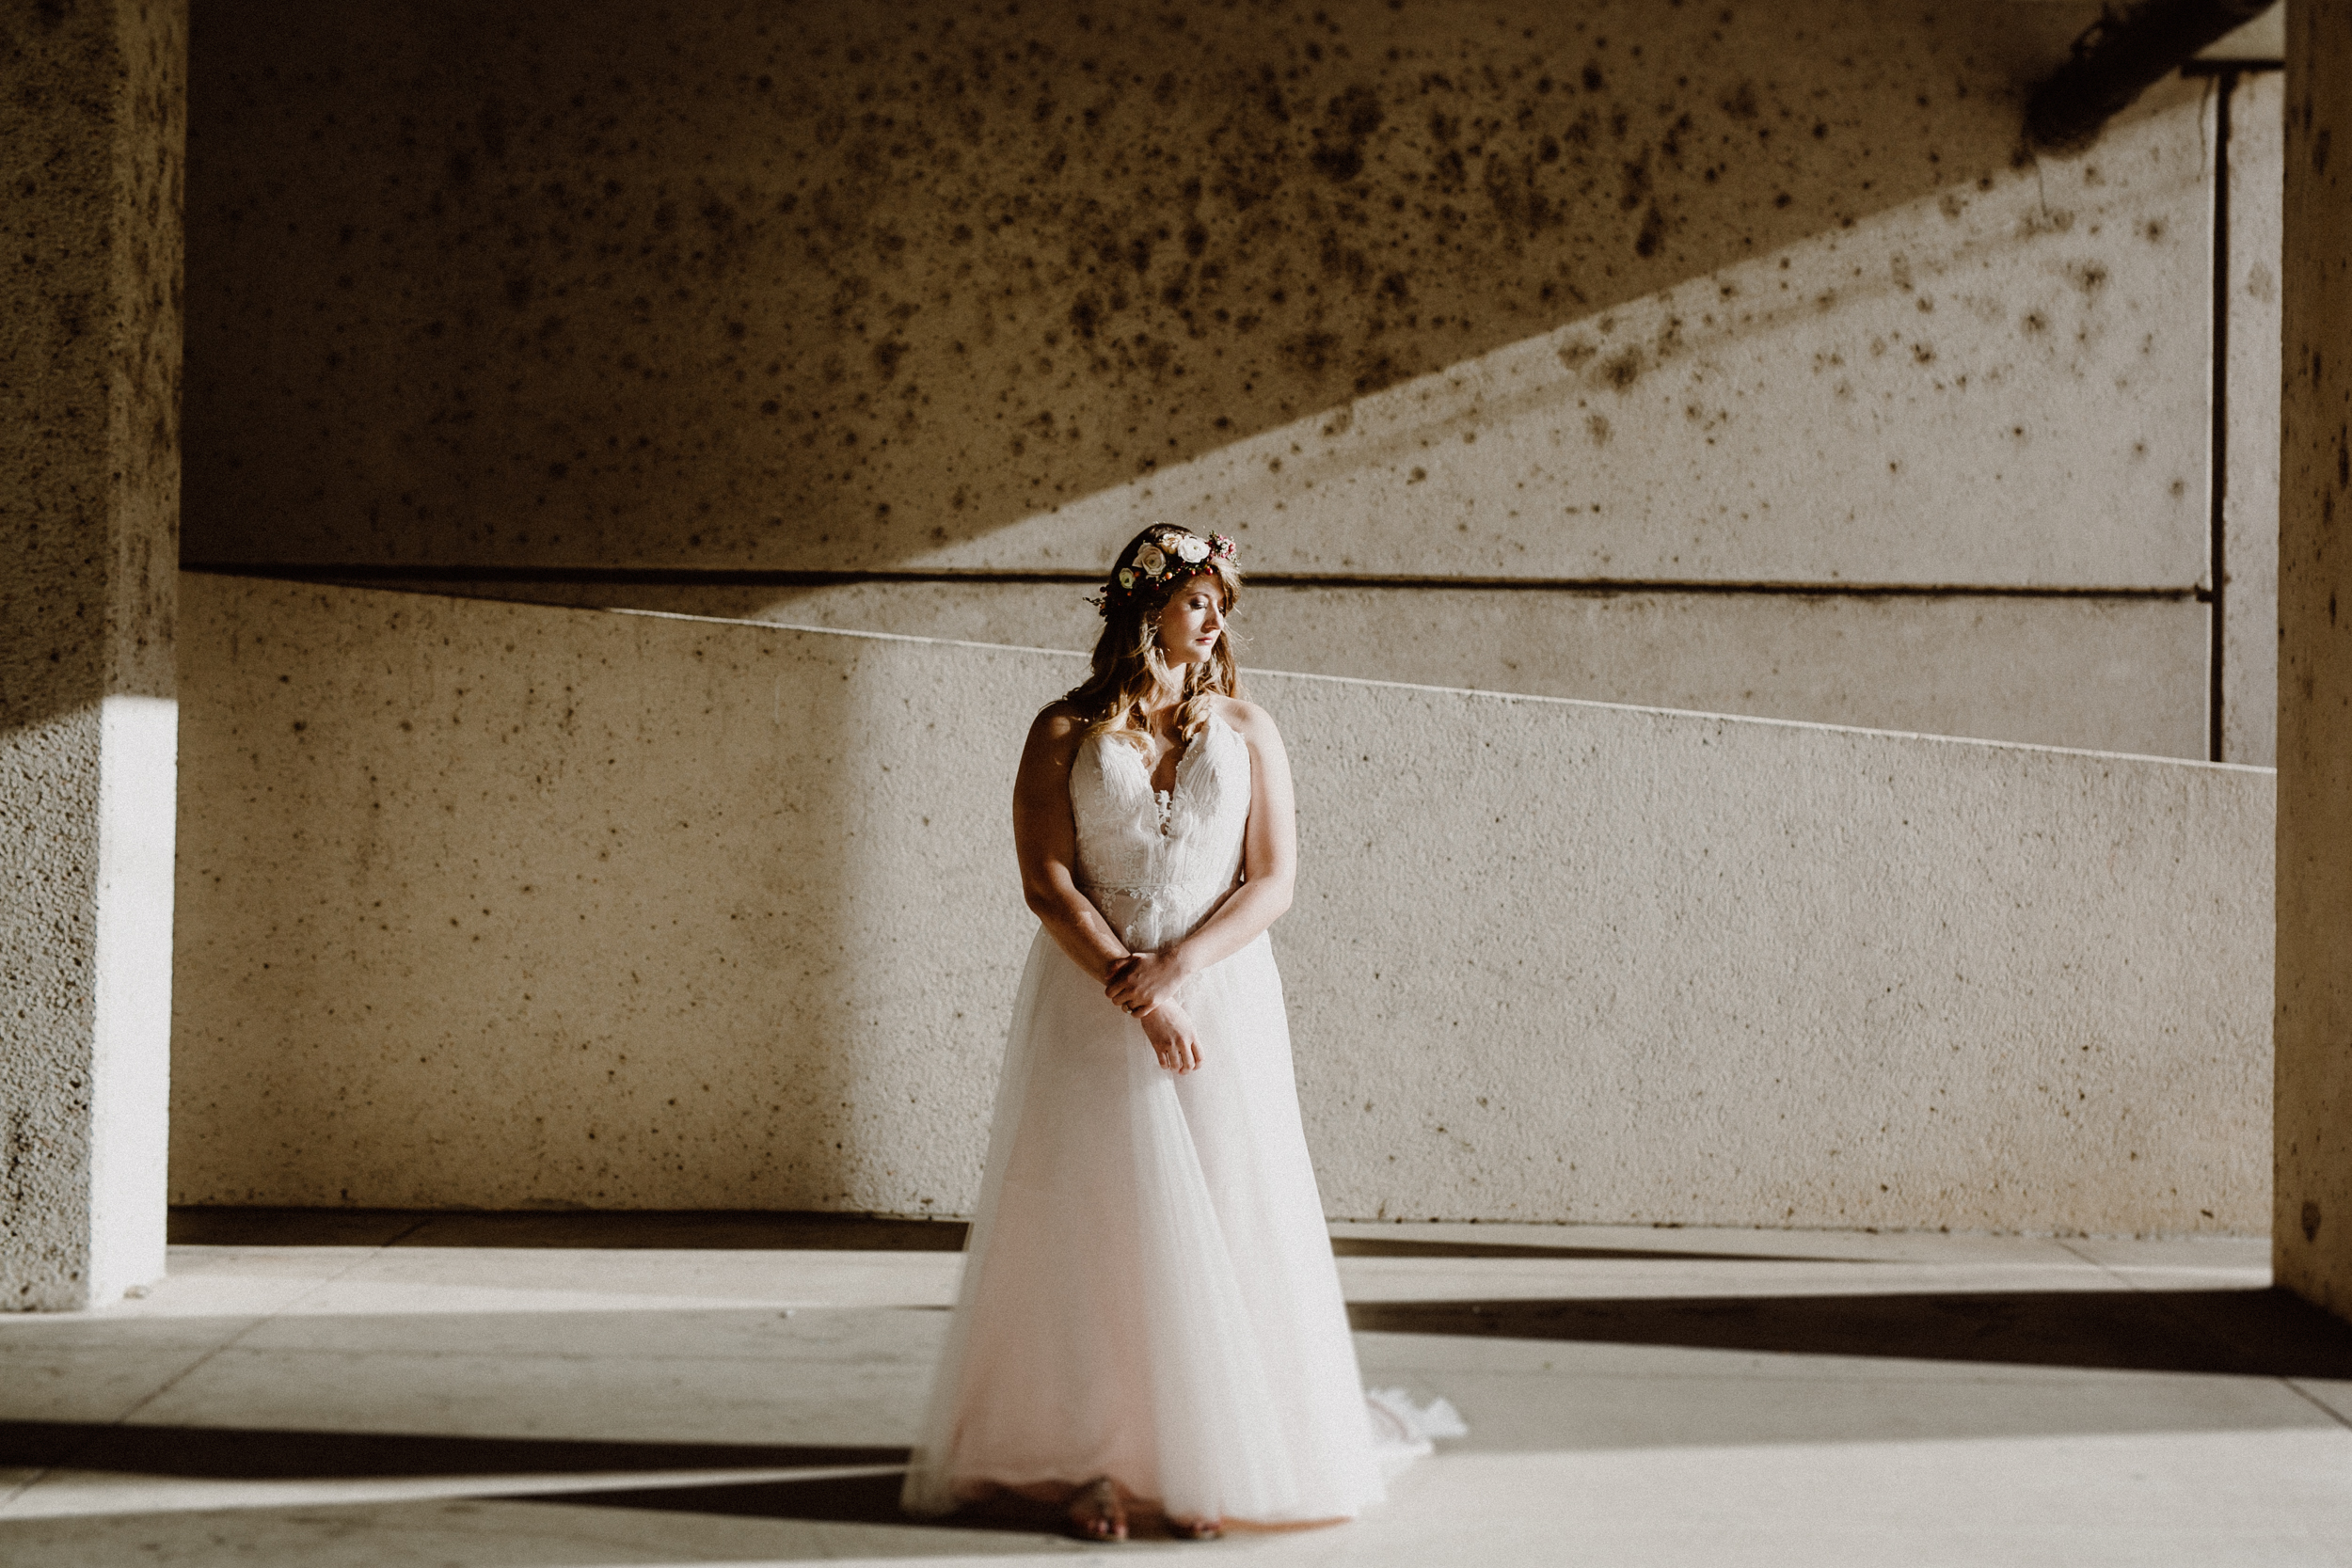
{"x": 385, "y": 1389}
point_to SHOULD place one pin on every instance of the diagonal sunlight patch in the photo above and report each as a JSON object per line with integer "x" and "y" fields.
{"x": 414, "y": 1280}
{"x": 1922, "y": 398}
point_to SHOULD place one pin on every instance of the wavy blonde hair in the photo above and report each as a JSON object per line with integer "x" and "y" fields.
{"x": 1129, "y": 667}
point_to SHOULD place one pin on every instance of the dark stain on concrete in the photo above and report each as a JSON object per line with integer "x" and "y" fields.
{"x": 89, "y": 414}
{"x": 823, "y": 271}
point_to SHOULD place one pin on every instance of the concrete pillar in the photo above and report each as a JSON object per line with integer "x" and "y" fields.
{"x": 92, "y": 123}
{"x": 2311, "y": 1228}
{"x": 2249, "y": 488}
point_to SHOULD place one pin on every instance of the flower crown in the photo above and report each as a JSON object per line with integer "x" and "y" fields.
{"x": 1160, "y": 561}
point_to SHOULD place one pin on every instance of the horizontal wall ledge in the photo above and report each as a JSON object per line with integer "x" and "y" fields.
{"x": 457, "y": 579}
{"x": 2120, "y": 673}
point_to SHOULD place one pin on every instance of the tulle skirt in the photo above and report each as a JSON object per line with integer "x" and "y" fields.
{"x": 1148, "y": 1293}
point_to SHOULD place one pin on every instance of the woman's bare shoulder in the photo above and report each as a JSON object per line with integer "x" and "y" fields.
{"x": 1059, "y": 726}
{"x": 1247, "y": 719}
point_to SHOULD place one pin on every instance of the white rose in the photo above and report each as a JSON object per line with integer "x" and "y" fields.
{"x": 1193, "y": 548}
{"x": 1149, "y": 561}
{"x": 1126, "y": 580}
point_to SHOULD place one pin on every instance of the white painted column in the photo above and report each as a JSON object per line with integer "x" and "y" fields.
{"x": 91, "y": 139}
{"x": 2311, "y": 1229}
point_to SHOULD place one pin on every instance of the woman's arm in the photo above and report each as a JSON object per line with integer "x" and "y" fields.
{"x": 1269, "y": 860}
{"x": 1045, "y": 837}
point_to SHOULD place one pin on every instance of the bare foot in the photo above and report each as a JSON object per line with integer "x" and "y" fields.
{"x": 1096, "y": 1512}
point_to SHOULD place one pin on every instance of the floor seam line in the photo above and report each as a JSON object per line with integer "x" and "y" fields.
{"x": 2101, "y": 1264}
{"x": 2325, "y": 1408}
{"x": 191, "y": 1368}
{"x": 2200, "y": 1329}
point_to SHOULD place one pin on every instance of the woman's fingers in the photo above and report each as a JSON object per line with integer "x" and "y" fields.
{"x": 1141, "y": 977}
{"x": 1174, "y": 1044}
{"x": 1187, "y": 1052}
{"x": 1163, "y": 1041}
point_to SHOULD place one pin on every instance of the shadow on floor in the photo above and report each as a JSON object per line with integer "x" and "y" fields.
{"x": 256, "y": 1454}
{"x": 844, "y": 1500}
{"x": 697, "y": 1230}
{"x": 242, "y": 1453}
{"x": 2266, "y": 1333}
{"x": 1382, "y": 1247}
{"x": 703, "y": 1230}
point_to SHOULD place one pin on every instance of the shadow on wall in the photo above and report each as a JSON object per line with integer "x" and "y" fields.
{"x": 840, "y": 287}
{"x": 543, "y": 1007}
{"x": 2003, "y": 384}
{"x": 638, "y": 922}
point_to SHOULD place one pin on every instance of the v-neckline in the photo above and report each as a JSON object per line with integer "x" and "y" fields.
{"x": 1181, "y": 748}
{"x": 1184, "y": 760}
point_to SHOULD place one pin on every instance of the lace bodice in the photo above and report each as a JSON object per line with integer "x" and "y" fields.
{"x": 1157, "y": 863}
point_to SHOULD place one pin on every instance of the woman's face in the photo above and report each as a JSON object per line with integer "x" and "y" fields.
{"x": 1192, "y": 620}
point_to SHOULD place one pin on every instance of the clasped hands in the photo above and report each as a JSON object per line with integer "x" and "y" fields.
{"x": 1144, "y": 983}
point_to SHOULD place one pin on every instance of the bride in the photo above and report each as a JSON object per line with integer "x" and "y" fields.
{"x": 1150, "y": 1317}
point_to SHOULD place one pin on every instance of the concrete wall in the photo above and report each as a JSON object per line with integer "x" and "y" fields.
{"x": 521, "y": 284}
{"x": 90, "y": 148}
{"x": 1969, "y": 664}
{"x": 2250, "y": 550}
{"x": 2311, "y": 1236}
{"x": 1692, "y": 294}
{"x": 509, "y": 906}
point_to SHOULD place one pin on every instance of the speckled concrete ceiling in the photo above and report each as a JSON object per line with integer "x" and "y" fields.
{"x": 827, "y": 286}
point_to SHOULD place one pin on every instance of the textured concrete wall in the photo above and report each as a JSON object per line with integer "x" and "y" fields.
{"x": 2262, "y": 41}
{"x": 2005, "y": 384}
{"x": 510, "y": 906}
{"x": 1740, "y": 293}
{"x": 90, "y": 146}
{"x": 858, "y": 286}
{"x": 2311, "y": 1236}
{"x": 2249, "y": 653}
{"x": 2108, "y": 673}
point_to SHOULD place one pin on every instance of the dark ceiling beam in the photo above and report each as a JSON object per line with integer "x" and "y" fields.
{"x": 2130, "y": 47}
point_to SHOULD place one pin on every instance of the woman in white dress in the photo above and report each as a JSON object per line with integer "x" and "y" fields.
{"x": 1150, "y": 1317}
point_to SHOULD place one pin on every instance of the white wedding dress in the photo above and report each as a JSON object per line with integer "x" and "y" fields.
{"x": 1149, "y": 1291}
